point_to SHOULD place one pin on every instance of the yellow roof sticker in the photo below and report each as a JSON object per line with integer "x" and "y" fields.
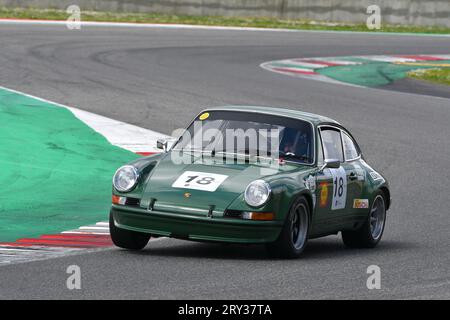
{"x": 204, "y": 116}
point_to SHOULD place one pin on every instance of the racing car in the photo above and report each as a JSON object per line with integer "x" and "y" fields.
{"x": 252, "y": 175}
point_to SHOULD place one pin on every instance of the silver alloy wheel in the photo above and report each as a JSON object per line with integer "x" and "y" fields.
{"x": 377, "y": 217}
{"x": 299, "y": 226}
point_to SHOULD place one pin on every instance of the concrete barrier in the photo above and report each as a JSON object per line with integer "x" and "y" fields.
{"x": 411, "y": 12}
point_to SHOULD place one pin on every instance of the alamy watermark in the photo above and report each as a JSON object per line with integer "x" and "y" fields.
{"x": 227, "y": 146}
{"x": 73, "y": 282}
{"x": 73, "y": 22}
{"x": 374, "y": 279}
{"x": 373, "y": 22}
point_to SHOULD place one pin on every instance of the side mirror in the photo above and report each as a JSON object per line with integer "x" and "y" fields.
{"x": 161, "y": 144}
{"x": 332, "y": 164}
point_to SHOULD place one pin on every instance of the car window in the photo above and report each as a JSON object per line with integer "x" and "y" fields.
{"x": 251, "y": 133}
{"x": 332, "y": 145}
{"x": 350, "y": 150}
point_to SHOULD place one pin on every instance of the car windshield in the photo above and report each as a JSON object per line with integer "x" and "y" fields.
{"x": 247, "y": 133}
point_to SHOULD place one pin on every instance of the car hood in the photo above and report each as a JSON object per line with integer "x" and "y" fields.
{"x": 159, "y": 187}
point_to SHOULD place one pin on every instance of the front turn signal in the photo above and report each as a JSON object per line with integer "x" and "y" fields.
{"x": 118, "y": 200}
{"x": 259, "y": 216}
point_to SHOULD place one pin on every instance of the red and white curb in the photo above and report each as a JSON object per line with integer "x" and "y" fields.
{"x": 130, "y": 137}
{"x": 308, "y": 68}
{"x": 56, "y": 245}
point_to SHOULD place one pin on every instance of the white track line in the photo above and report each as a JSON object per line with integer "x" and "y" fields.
{"x": 118, "y": 133}
{"x": 387, "y": 58}
{"x": 121, "y": 134}
{"x": 103, "y": 224}
{"x": 302, "y": 64}
{"x": 94, "y": 228}
{"x": 202, "y": 27}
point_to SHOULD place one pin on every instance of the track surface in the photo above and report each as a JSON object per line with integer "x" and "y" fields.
{"x": 159, "y": 78}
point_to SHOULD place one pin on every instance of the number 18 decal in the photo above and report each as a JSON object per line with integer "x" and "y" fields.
{"x": 199, "y": 180}
{"x": 339, "y": 188}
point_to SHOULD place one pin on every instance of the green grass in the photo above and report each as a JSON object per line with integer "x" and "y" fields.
{"x": 258, "y": 22}
{"x": 441, "y": 76}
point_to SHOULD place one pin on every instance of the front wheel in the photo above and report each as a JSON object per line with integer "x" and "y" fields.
{"x": 294, "y": 235}
{"x": 371, "y": 231}
{"x": 127, "y": 239}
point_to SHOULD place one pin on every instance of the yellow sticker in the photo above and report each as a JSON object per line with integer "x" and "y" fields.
{"x": 204, "y": 116}
{"x": 323, "y": 194}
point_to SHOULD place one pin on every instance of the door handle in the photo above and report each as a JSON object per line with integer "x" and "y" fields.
{"x": 353, "y": 176}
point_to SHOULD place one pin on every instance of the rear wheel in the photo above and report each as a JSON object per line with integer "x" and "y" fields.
{"x": 371, "y": 231}
{"x": 127, "y": 239}
{"x": 294, "y": 235}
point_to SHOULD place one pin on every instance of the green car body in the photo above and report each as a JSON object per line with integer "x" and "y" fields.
{"x": 155, "y": 207}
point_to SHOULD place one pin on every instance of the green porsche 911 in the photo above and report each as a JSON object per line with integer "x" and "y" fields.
{"x": 253, "y": 175}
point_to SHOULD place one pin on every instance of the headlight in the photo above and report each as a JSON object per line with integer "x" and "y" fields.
{"x": 125, "y": 178}
{"x": 257, "y": 193}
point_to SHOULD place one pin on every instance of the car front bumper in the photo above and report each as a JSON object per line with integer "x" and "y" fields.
{"x": 195, "y": 228}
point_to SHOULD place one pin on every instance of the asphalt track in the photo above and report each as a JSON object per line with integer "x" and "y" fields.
{"x": 160, "y": 78}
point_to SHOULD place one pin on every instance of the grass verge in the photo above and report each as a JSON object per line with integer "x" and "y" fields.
{"x": 441, "y": 76}
{"x": 256, "y": 22}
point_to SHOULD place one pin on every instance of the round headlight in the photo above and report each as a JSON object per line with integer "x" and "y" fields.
{"x": 125, "y": 178}
{"x": 257, "y": 193}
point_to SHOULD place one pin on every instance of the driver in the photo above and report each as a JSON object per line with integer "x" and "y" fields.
{"x": 294, "y": 143}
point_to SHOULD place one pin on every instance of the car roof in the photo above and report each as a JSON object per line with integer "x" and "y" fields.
{"x": 296, "y": 114}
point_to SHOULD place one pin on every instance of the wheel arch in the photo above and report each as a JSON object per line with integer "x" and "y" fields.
{"x": 387, "y": 196}
{"x": 309, "y": 199}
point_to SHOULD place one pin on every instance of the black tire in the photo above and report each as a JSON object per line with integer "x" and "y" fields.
{"x": 365, "y": 236}
{"x": 127, "y": 239}
{"x": 288, "y": 245}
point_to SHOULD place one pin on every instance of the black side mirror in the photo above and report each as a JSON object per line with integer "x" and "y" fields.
{"x": 161, "y": 144}
{"x": 333, "y": 163}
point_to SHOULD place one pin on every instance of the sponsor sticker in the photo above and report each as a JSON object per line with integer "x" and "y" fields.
{"x": 323, "y": 194}
{"x": 361, "y": 203}
{"x": 375, "y": 175}
{"x": 199, "y": 181}
{"x": 204, "y": 116}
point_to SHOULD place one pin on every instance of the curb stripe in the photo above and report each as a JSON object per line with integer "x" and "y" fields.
{"x": 322, "y": 62}
{"x": 292, "y": 70}
{"x": 319, "y": 66}
{"x": 302, "y": 64}
{"x": 422, "y": 58}
{"x": 69, "y": 236}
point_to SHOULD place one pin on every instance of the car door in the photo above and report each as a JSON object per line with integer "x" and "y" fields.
{"x": 331, "y": 190}
{"x": 355, "y": 173}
